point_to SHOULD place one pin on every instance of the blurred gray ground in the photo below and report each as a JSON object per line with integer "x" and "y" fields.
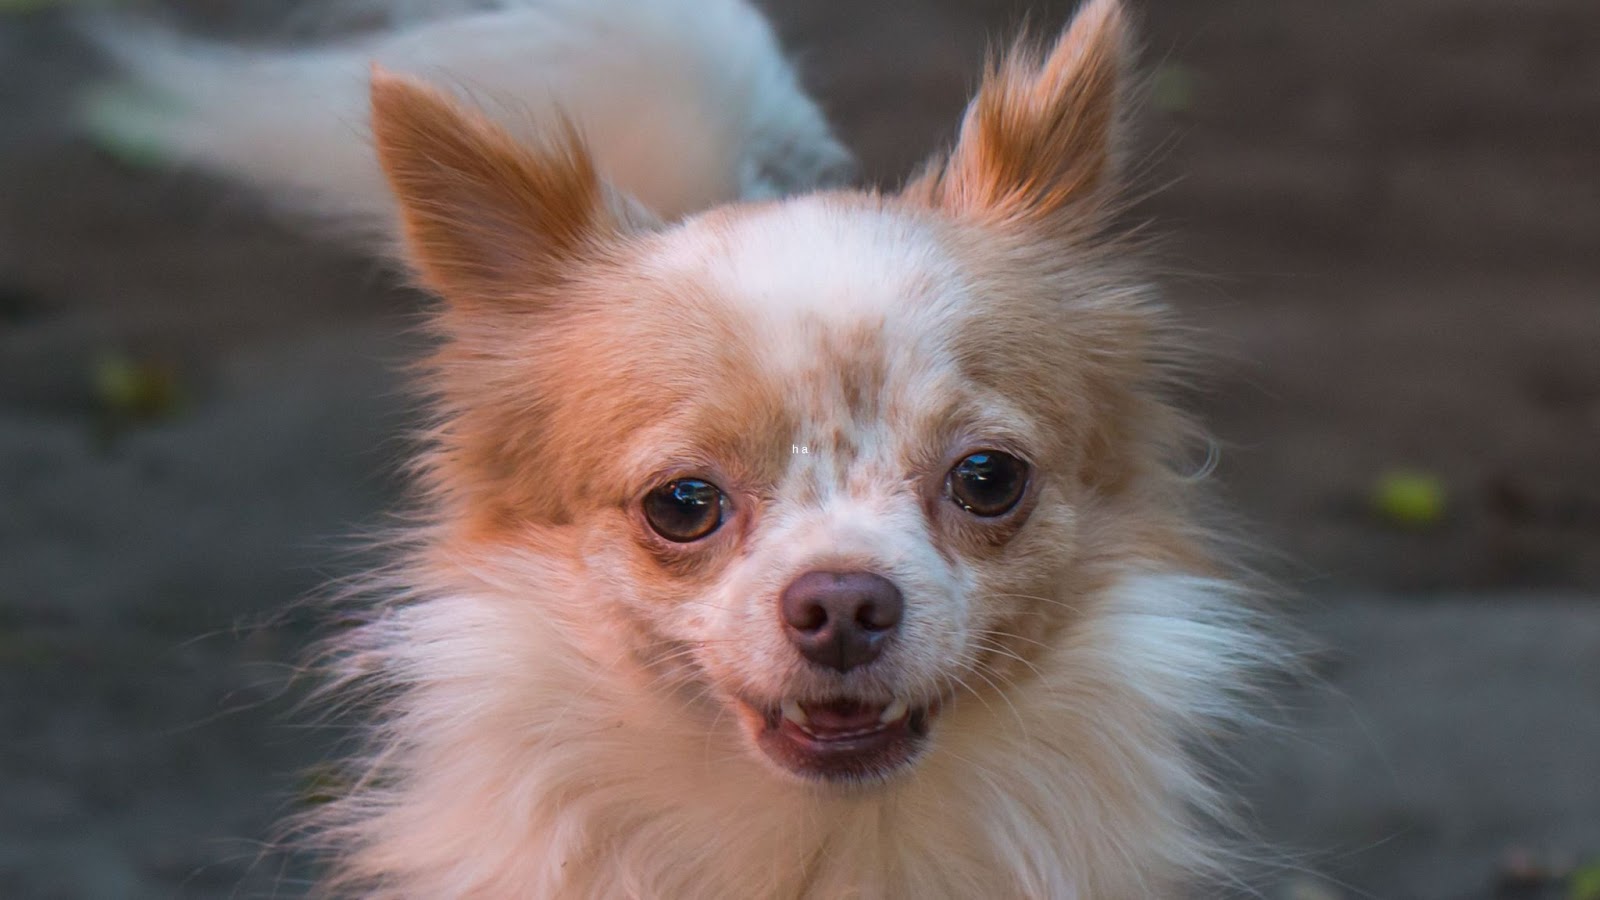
{"x": 1386, "y": 218}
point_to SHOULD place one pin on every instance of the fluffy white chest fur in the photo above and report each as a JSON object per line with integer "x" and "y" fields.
{"x": 536, "y": 771}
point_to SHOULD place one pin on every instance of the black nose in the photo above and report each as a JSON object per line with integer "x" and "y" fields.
{"x": 840, "y": 619}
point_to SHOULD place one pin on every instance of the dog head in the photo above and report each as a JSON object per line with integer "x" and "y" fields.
{"x": 833, "y": 460}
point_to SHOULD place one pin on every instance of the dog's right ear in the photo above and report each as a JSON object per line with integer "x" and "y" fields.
{"x": 486, "y": 220}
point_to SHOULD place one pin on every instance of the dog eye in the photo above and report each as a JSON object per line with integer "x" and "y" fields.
{"x": 684, "y": 510}
{"x": 988, "y": 483}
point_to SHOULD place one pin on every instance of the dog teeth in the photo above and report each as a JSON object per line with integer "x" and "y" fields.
{"x": 893, "y": 712}
{"x": 793, "y": 712}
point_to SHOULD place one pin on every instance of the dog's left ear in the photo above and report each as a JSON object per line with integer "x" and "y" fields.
{"x": 1040, "y": 138}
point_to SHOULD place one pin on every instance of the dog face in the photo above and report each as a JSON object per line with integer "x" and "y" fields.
{"x": 829, "y": 462}
{"x": 834, "y": 505}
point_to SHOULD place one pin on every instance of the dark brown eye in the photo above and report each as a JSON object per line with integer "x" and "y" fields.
{"x": 684, "y": 510}
{"x": 988, "y": 483}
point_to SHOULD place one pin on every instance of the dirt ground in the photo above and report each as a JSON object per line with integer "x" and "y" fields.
{"x": 1383, "y": 215}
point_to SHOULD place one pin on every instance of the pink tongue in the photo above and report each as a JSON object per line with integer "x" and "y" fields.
{"x": 846, "y": 716}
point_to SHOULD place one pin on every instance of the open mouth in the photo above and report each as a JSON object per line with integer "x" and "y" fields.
{"x": 844, "y": 739}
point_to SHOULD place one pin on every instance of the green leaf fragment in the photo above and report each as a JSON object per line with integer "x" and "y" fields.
{"x": 135, "y": 390}
{"x": 1585, "y": 883}
{"x": 1409, "y": 498}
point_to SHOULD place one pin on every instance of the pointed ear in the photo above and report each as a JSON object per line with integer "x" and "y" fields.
{"x": 484, "y": 218}
{"x": 1040, "y": 136}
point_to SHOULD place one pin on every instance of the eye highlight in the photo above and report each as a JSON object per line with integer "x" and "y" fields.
{"x": 987, "y": 483}
{"x": 685, "y": 509}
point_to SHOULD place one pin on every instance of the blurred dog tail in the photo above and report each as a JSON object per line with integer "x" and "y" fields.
{"x": 685, "y": 103}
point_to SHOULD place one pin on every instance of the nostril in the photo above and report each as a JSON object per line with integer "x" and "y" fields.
{"x": 877, "y": 617}
{"x": 808, "y": 617}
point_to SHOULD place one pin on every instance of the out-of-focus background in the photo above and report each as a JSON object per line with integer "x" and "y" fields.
{"x": 1386, "y": 215}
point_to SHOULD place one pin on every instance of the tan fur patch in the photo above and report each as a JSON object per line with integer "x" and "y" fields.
{"x": 482, "y": 215}
{"x": 1039, "y": 137}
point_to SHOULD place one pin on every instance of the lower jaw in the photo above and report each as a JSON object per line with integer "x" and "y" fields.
{"x": 869, "y": 757}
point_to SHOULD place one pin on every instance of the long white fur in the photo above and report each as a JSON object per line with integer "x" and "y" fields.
{"x": 685, "y": 103}
{"x": 524, "y": 766}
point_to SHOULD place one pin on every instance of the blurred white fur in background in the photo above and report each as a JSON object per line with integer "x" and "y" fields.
{"x": 685, "y": 104}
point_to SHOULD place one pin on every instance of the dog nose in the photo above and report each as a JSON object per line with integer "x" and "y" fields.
{"x": 840, "y": 619}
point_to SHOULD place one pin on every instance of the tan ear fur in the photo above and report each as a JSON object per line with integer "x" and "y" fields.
{"x": 1040, "y": 135}
{"x": 484, "y": 218}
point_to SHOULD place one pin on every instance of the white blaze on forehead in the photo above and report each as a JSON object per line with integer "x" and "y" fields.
{"x": 813, "y": 256}
{"x": 811, "y": 276}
